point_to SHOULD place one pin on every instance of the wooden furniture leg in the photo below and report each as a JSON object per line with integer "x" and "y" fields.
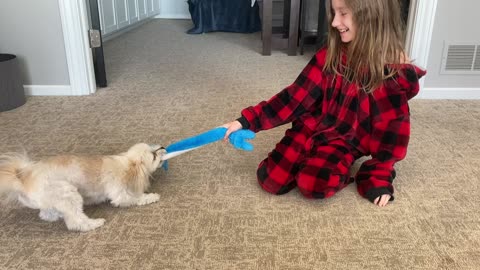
{"x": 286, "y": 17}
{"x": 267, "y": 27}
{"x": 322, "y": 25}
{"x": 293, "y": 30}
{"x": 292, "y": 21}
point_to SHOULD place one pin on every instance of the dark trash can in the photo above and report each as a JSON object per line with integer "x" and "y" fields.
{"x": 12, "y": 94}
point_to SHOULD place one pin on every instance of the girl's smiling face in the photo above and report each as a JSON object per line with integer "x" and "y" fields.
{"x": 343, "y": 21}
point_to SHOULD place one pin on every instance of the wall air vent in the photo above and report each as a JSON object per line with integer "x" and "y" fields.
{"x": 461, "y": 59}
{"x": 476, "y": 63}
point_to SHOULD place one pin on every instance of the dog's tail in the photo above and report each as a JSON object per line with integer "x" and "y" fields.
{"x": 12, "y": 169}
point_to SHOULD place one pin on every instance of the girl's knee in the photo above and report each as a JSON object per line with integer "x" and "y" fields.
{"x": 272, "y": 183}
{"x": 321, "y": 185}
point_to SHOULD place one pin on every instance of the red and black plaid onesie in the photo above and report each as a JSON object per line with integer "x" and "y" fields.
{"x": 333, "y": 124}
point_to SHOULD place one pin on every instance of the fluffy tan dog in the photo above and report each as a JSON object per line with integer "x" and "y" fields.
{"x": 60, "y": 186}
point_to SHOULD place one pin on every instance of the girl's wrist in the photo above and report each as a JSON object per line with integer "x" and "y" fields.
{"x": 243, "y": 122}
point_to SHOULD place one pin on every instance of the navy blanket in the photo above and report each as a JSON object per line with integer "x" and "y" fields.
{"x": 224, "y": 15}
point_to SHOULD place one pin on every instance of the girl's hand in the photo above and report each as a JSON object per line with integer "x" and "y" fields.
{"x": 231, "y": 127}
{"x": 382, "y": 200}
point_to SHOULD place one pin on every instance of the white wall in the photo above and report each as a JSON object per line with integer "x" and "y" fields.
{"x": 174, "y": 9}
{"x": 455, "y": 21}
{"x": 32, "y": 30}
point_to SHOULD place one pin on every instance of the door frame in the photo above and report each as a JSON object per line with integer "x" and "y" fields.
{"x": 80, "y": 60}
{"x": 74, "y": 17}
{"x": 419, "y": 33}
{"x": 95, "y": 23}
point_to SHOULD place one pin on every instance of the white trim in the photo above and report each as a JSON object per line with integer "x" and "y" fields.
{"x": 48, "y": 90}
{"x": 422, "y": 33}
{"x": 449, "y": 93}
{"x": 79, "y": 55}
{"x": 173, "y": 16}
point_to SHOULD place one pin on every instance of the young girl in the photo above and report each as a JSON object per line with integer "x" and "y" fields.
{"x": 351, "y": 100}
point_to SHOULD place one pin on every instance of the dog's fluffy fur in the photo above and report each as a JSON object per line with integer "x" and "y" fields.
{"x": 59, "y": 186}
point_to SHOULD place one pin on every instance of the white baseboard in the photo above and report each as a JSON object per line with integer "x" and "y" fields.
{"x": 449, "y": 93}
{"x": 48, "y": 90}
{"x": 173, "y": 16}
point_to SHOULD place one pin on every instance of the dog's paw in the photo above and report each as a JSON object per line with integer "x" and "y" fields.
{"x": 148, "y": 198}
{"x": 87, "y": 225}
{"x": 95, "y": 223}
{"x": 50, "y": 215}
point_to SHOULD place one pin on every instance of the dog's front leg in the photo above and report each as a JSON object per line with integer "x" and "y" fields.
{"x": 125, "y": 199}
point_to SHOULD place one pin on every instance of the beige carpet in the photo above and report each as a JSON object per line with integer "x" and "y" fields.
{"x": 165, "y": 85}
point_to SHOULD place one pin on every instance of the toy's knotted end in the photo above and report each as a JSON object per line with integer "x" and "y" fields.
{"x": 239, "y": 139}
{"x": 165, "y": 165}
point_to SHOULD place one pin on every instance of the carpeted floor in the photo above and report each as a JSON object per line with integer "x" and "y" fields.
{"x": 165, "y": 85}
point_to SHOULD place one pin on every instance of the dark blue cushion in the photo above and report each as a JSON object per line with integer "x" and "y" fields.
{"x": 224, "y": 15}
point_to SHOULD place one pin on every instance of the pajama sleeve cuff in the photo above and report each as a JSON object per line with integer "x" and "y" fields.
{"x": 244, "y": 122}
{"x": 374, "y": 193}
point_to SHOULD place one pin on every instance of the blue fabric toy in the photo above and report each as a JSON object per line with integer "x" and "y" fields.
{"x": 238, "y": 139}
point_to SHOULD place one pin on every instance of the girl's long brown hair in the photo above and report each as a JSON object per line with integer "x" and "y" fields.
{"x": 379, "y": 40}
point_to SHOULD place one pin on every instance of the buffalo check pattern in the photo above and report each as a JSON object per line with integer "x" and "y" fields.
{"x": 334, "y": 123}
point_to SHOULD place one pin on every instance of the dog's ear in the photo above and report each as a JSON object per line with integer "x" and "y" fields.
{"x": 140, "y": 152}
{"x": 136, "y": 178}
